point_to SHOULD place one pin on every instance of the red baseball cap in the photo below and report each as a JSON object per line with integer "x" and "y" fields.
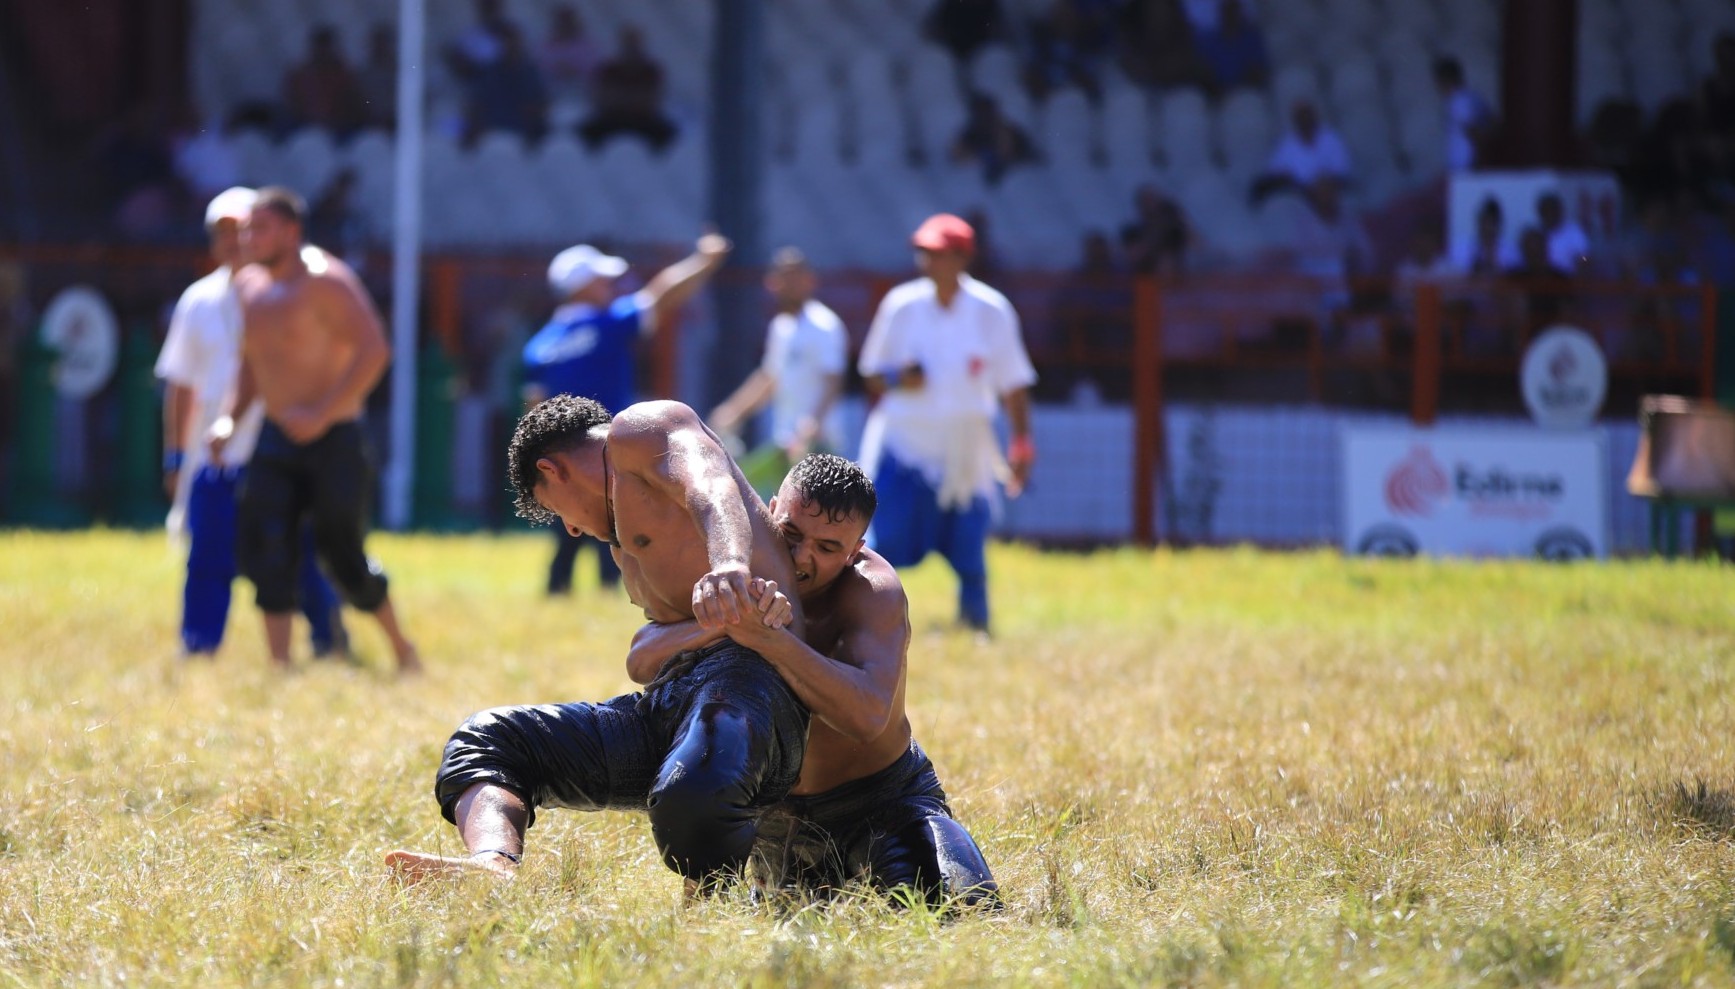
{"x": 945, "y": 232}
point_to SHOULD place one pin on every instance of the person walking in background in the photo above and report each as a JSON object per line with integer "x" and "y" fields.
{"x": 588, "y": 348}
{"x": 312, "y": 348}
{"x": 801, "y": 376}
{"x": 198, "y": 366}
{"x": 944, "y": 351}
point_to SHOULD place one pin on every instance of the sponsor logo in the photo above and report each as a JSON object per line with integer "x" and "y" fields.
{"x": 1564, "y": 378}
{"x": 1415, "y": 484}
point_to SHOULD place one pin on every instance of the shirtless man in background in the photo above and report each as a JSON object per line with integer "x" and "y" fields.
{"x": 868, "y": 803}
{"x": 711, "y": 742}
{"x": 312, "y": 348}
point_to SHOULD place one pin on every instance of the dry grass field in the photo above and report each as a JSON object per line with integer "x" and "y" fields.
{"x": 1201, "y": 768}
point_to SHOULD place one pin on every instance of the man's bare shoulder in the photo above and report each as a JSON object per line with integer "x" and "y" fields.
{"x": 327, "y": 274}
{"x": 871, "y": 589}
{"x": 652, "y": 420}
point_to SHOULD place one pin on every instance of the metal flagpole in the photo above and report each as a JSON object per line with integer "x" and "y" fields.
{"x": 406, "y": 261}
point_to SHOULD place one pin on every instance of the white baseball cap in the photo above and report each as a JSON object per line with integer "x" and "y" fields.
{"x": 231, "y": 204}
{"x": 576, "y": 267}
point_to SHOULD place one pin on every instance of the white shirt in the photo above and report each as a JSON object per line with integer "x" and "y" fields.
{"x": 1568, "y": 246}
{"x": 1306, "y": 162}
{"x": 970, "y": 355}
{"x": 203, "y": 353}
{"x": 1465, "y": 112}
{"x": 801, "y": 352}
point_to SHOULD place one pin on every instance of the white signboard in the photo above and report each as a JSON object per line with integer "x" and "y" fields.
{"x": 1474, "y": 492}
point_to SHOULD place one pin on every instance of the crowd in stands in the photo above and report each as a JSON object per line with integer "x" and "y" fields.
{"x": 1676, "y": 167}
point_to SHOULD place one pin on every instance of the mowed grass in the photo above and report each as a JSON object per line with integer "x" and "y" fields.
{"x": 1195, "y": 768}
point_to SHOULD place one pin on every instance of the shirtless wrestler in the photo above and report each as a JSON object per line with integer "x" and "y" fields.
{"x": 312, "y": 347}
{"x": 716, "y": 739}
{"x": 868, "y": 803}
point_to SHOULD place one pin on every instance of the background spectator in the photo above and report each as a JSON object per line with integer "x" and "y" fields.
{"x": 1309, "y": 152}
{"x": 963, "y": 27}
{"x": 1095, "y": 302}
{"x": 1157, "y": 46}
{"x": 1233, "y": 51}
{"x": 985, "y": 263}
{"x": 1469, "y": 119}
{"x": 1425, "y": 263}
{"x": 1156, "y": 241}
{"x": 334, "y": 223}
{"x": 1487, "y": 253}
{"x": 567, "y": 56}
{"x": 1536, "y": 286}
{"x": 1568, "y": 244}
{"x": 1066, "y": 48}
{"x": 377, "y": 80}
{"x": 322, "y": 91}
{"x": 480, "y": 44}
{"x": 1330, "y": 245}
{"x": 508, "y": 94}
{"x": 992, "y": 141}
{"x": 628, "y": 97}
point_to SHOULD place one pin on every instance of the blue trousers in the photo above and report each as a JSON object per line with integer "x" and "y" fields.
{"x": 910, "y": 524}
{"x": 211, "y": 567}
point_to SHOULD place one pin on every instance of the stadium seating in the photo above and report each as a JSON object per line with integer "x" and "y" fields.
{"x": 853, "y": 88}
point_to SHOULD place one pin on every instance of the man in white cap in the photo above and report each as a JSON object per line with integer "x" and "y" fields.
{"x": 589, "y": 345}
{"x": 198, "y": 364}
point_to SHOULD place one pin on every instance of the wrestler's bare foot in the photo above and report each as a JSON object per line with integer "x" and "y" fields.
{"x": 413, "y": 867}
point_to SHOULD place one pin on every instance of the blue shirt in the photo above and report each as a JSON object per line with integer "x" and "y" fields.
{"x": 587, "y": 351}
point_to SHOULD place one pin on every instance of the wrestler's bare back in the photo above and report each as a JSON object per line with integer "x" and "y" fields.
{"x": 662, "y": 551}
{"x": 302, "y": 331}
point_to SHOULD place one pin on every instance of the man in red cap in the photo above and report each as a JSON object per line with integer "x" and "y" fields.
{"x": 943, "y": 354}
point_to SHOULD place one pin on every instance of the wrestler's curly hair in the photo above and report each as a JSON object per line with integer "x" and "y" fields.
{"x": 558, "y": 424}
{"x": 836, "y": 486}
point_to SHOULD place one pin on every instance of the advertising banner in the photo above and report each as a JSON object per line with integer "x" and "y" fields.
{"x": 1475, "y": 492}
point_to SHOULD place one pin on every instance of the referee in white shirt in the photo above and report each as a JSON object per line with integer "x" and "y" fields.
{"x": 199, "y": 364}
{"x": 943, "y": 354}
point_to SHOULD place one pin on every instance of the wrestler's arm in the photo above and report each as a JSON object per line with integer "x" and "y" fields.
{"x": 658, "y": 642}
{"x": 666, "y": 445}
{"x": 352, "y": 316}
{"x": 853, "y": 692}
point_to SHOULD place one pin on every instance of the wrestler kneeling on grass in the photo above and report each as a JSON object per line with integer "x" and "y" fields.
{"x": 868, "y": 803}
{"x": 718, "y": 737}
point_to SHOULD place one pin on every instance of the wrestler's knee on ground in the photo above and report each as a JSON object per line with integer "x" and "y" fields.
{"x": 701, "y": 806}
{"x": 936, "y": 857}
